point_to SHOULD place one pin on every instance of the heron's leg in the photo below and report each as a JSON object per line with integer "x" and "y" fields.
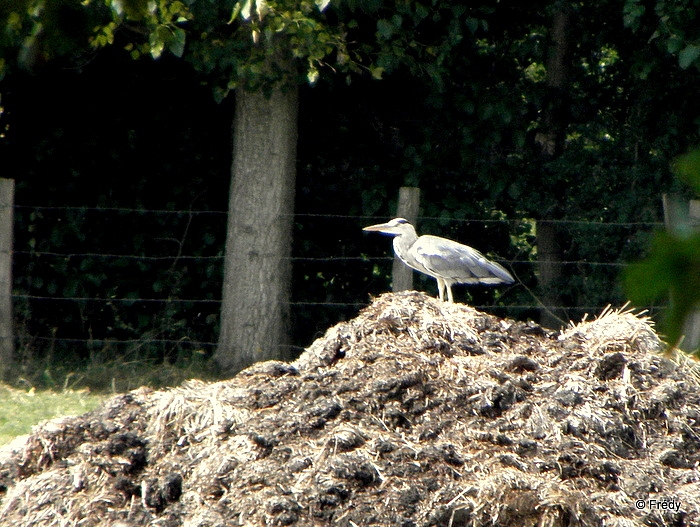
{"x": 449, "y": 293}
{"x": 441, "y": 286}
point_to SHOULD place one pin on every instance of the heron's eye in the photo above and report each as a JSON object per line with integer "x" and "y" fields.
{"x": 401, "y": 221}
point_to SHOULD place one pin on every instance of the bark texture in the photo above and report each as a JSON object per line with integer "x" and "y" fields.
{"x": 257, "y": 269}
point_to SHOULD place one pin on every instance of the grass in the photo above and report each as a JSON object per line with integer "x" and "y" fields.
{"x": 22, "y": 409}
{"x": 108, "y": 371}
{"x": 44, "y": 390}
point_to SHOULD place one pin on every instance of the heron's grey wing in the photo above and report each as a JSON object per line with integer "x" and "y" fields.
{"x": 458, "y": 263}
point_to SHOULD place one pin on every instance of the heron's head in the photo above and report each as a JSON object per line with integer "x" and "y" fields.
{"x": 395, "y": 227}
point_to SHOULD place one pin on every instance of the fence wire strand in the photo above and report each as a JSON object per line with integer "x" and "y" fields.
{"x": 34, "y": 255}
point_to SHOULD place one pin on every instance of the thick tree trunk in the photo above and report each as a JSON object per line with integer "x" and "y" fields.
{"x": 257, "y": 269}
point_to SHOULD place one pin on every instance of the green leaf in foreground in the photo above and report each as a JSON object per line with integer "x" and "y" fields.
{"x": 687, "y": 167}
{"x": 672, "y": 268}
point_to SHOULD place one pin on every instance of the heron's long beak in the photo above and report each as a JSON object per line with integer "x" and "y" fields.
{"x": 380, "y": 227}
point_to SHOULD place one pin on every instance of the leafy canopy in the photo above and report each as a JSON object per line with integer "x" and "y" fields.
{"x": 674, "y": 29}
{"x": 252, "y": 44}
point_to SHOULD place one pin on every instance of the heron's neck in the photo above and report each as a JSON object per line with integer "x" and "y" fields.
{"x": 403, "y": 242}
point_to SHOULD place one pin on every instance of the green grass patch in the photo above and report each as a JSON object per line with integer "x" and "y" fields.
{"x": 22, "y": 409}
{"x": 41, "y": 390}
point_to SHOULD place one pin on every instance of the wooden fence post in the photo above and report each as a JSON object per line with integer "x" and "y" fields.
{"x": 682, "y": 218}
{"x": 7, "y": 341}
{"x": 407, "y": 208}
{"x": 550, "y": 274}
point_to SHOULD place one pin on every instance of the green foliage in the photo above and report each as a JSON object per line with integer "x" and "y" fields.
{"x": 253, "y": 44}
{"x": 687, "y": 167}
{"x": 162, "y": 21}
{"x": 38, "y": 32}
{"x": 672, "y": 268}
{"x": 674, "y": 29}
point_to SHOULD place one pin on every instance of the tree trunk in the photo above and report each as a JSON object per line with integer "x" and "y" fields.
{"x": 551, "y": 139}
{"x": 555, "y": 111}
{"x": 257, "y": 268}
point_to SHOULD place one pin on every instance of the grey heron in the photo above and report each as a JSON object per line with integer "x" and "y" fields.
{"x": 447, "y": 261}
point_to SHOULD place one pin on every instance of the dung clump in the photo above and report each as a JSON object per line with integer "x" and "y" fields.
{"x": 415, "y": 413}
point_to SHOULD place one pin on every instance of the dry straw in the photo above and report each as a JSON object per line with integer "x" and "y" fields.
{"x": 416, "y": 412}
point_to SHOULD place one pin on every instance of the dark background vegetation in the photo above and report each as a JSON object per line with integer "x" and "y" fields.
{"x": 104, "y": 131}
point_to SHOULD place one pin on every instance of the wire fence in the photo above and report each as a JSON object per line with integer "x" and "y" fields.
{"x": 93, "y": 278}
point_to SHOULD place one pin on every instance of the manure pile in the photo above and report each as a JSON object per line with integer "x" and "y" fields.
{"x": 415, "y": 413}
